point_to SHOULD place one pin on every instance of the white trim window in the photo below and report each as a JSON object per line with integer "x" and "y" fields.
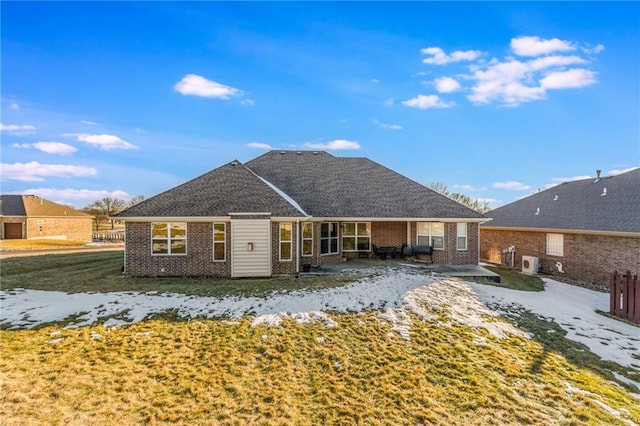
{"x": 356, "y": 236}
{"x": 169, "y": 238}
{"x": 431, "y": 234}
{"x": 285, "y": 241}
{"x": 461, "y": 236}
{"x": 307, "y": 239}
{"x": 555, "y": 245}
{"x": 329, "y": 238}
{"x": 219, "y": 242}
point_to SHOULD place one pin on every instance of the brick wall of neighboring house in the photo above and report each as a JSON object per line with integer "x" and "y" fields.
{"x": 587, "y": 259}
{"x": 70, "y": 228}
{"x": 283, "y": 267}
{"x": 197, "y": 262}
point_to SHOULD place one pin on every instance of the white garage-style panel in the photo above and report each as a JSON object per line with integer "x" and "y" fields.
{"x": 250, "y": 248}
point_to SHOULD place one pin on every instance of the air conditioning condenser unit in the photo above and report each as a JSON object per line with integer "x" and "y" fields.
{"x": 529, "y": 265}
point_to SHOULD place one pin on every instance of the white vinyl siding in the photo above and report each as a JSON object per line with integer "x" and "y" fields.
{"x": 555, "y": 245}
{"x": 431, "y": 234}
{"x": 169, "y": 239}
{"x": 307, "y": 239}
{"x": 250, "y": 248}
{"x": 461, "y": 237}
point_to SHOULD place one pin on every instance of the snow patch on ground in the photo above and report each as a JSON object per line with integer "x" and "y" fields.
{"x": 574, "y": 309}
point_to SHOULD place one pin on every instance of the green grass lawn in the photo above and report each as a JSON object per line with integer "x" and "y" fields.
{"x": 210, "y": 371}
{"x": 514, "y": 280}
{"x": 100, "y": 272}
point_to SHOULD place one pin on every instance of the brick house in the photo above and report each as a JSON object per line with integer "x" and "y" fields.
{"x": 286, "y": 209}
{"x": 33, "y": 217}
{"x": 579, "y": 231}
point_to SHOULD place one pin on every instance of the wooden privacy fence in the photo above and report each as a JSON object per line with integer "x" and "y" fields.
{"x": 625, "y": 296}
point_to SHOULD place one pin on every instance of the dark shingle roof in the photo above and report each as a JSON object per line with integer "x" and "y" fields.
{"x": 34, "y": 206}
{"x": 12, "y": 205}
{"x": 578, "y": 205}
{"x": 231, "y": 188}
{"x": 328, "y": 186}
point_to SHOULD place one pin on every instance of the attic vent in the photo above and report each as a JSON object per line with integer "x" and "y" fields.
{"x": 299, "y": 152}
{"x": 281, "y": 152}
{"x": 537, "y": 211}
{"x": 597, "y": 179}
{"x": 315, "y": 152}
{"x": 555, "y": 198}
{"x": 234, "y": 163}
{"x": 604, "y": 192}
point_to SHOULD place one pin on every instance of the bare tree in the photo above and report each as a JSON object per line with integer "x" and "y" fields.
{"x": 107, "y": 207}
{"x": 465, "y": 200}
{"x": 135, "y": 200}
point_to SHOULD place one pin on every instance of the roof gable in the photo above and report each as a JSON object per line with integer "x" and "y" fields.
{"x": 231, "y": 188}
{"x": 610, "y": 204}
{"x": 328, "y": 186}
{"x": 34, "y": 206}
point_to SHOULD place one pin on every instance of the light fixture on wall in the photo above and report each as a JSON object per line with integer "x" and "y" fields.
{"x": 249, "y": 246}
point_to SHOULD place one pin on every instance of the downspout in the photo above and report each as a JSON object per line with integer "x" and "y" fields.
{"x": 298, "y": 239}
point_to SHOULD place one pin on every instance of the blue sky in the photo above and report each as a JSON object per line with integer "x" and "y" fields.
{"x": 495, "y": 100}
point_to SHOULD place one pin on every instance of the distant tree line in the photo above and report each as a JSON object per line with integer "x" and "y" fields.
{"x": 474, "y": 204}
{"x": 103, "y": 209}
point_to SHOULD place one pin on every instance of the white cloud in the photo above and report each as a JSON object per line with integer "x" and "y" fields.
{"x": 446, "y": 84}
{"x": 14, "y": 106}
{"x": 103, "y": 141}
{"x": 17, "y": 127}
{"x": 375, "y": 80}
{"x": 389, "y": 102}
{"x": 48, "y": 147}
{"x": 427, "y": 101}
{"x": 569, "y": 79}
{"x": 337, "y": 144}
{"x": 487, "y": 200}
{"x": 34, "y": 171}
{"x": 259, "y": 145}
{"x": 87, "y": 195}
{"x": 511, "y": 186}
{"x": 535, "y": 46}
{"x": 468, "y": 187}
{"x": 386, "y": 126}
{"x": 437, "y": 56}
{"x": 593, "y": 50}
{"x": 615, "y": 172}
{"x": 192, "y": 84}
{"x": 249, "y": 102}
{"x": 89, "y": 123}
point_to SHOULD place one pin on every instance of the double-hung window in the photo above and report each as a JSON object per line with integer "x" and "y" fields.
{"x": 461, "y": 238}
{"x": 356, "y": 236}
{"x": 219, "y": 242}
{"x": 285, "y": 241}
{"x": 431, "y": 234}
{"x": 169, "y": 238}
{"x": 329, "y": 238}
{"x": 555, "y": 244}
{"x": 307, "y": 239}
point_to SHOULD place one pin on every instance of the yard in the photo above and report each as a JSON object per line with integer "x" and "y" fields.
{"x": 386, "y": 345}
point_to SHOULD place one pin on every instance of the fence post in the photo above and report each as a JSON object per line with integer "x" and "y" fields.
{"x": 612, "y": 293}
{"x": 635, "y": 302}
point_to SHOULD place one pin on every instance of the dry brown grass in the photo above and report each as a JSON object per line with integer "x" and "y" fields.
{"x": 217, "y": 372}
{"x": 38, "y": 244}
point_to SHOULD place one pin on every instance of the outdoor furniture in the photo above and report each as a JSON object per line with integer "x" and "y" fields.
{"x": 388, "y": 251}
{"x": 418, "y": 250}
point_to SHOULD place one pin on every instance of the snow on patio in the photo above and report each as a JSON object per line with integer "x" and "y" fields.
{"x": 393, "y": 291}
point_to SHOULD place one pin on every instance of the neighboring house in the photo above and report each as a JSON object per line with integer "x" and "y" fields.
{"x": 581, "y": 230}
{"x": 286, "y": 209}
{"x": 32, "y": 217}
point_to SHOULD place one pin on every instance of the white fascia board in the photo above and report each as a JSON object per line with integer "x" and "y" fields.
{"x": 396, "y": 219}
{"x": 563, "y": 231}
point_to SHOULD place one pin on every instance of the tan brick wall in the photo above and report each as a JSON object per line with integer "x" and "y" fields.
{"x": 73, "y": 228}
{"x": 588, "y": 259}
{"x": 197, "y": 262}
